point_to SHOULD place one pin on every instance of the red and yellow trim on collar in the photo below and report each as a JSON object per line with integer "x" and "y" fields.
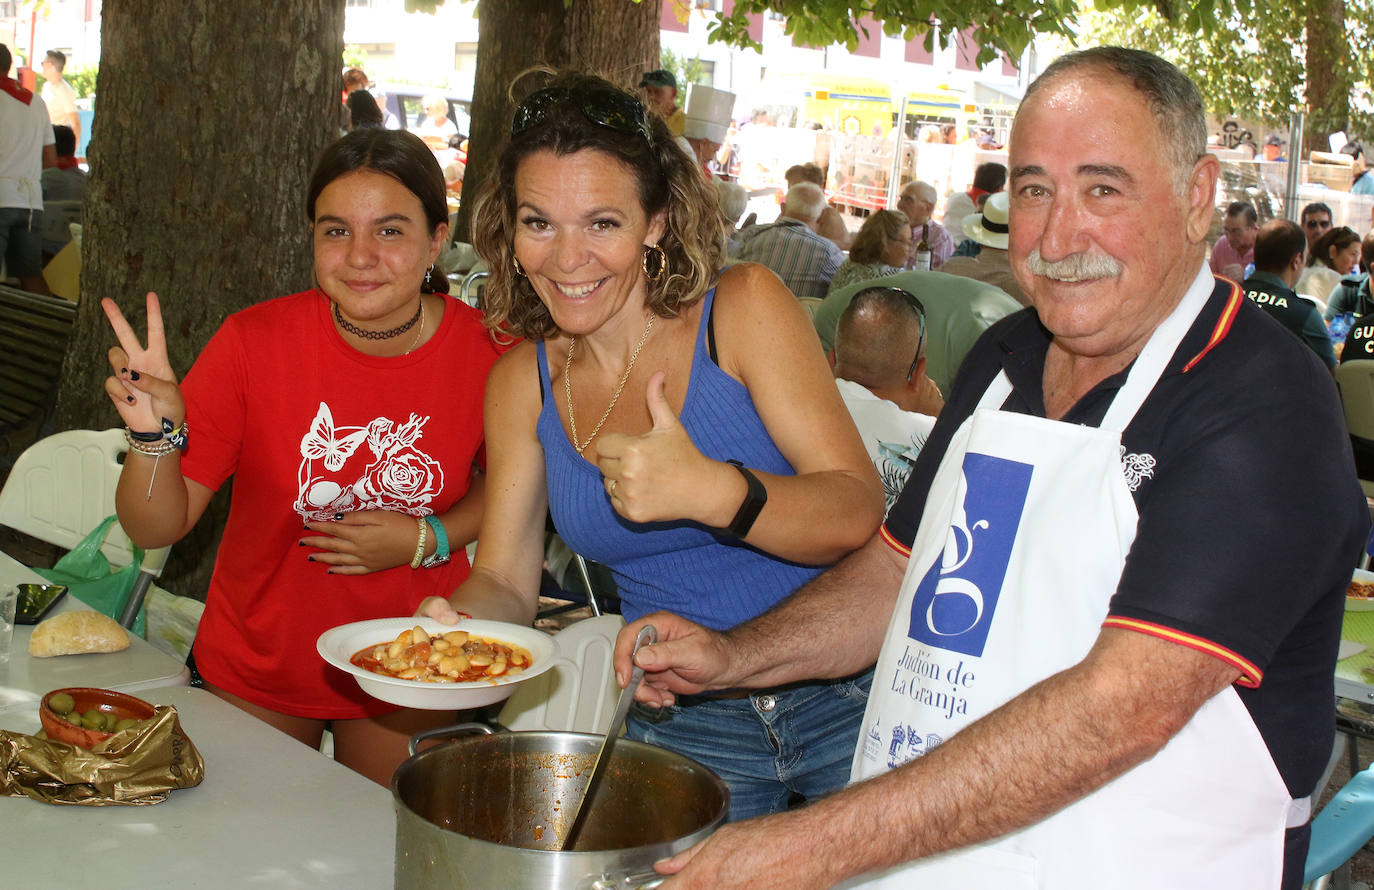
{"x": 1250, "y": 674}
{"x": 1223, "y": 325}
{"x": 894, "y": 543}
{"x": 11, "y": 86}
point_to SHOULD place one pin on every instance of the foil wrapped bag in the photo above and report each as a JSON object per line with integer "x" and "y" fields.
{"x": 135, "y": 767}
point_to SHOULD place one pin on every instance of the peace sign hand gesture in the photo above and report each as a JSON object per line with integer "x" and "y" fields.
{"x": 144, "y": 386}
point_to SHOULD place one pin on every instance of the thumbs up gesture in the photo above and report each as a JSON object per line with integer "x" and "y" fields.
{"x": 655, "y": 476}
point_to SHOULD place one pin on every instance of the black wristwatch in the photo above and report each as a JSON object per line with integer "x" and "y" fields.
{"x": 754, "y": 499}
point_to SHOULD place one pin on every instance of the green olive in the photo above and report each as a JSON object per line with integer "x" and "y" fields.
{"x": 94, "y": 715}
{"x": 93, "y": 723}
{"x": 62, "y": 703}
{"x": 124, "y": 724}
{"x": 111, "y": 721}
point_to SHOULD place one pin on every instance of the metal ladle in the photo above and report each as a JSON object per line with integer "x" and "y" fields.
{"x": 647, "y": 635}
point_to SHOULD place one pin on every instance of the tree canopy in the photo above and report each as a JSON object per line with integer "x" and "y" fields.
{"x": 1263, "y": 60}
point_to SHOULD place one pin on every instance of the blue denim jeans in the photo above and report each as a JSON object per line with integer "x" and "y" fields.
{"x": 775, "y": 743}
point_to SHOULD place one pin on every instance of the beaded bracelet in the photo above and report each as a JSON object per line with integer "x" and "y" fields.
{"x": 155, "y": 445}
{"x": 420, "y": 545}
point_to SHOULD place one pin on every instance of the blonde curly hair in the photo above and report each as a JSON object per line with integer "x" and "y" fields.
{"x": 666, "y": 179}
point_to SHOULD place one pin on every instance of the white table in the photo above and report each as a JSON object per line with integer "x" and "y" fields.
{"x": 271, "y": 813}
{"x": 26, "y": 679}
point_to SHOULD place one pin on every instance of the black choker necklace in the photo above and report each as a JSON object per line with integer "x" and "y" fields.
{"x": 376, "y": 335}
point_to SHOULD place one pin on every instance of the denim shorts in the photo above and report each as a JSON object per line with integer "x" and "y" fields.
{"x": 21, "y": 241}
{"x": 796, "y": 740}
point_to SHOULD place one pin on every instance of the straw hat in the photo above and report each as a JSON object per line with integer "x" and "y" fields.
{"x": 989, "y": 228}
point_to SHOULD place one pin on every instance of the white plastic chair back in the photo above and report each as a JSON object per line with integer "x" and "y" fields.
{"x": 1356, "y": 382}
{"x": 571, "y": 698}
{"x": 62, "y": 486}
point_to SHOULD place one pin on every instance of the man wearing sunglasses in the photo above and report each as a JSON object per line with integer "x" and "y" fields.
{"x": 891, "y": 399}
{"x": 1316, "y": 222}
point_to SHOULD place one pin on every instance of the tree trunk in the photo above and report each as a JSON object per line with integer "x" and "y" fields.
{"x": 1328, "y": 72}
{"x": 210, "y": 116}
{"x": 616, "y": 39}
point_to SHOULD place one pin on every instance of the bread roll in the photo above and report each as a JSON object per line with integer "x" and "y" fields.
{"x": 74, "y": 633}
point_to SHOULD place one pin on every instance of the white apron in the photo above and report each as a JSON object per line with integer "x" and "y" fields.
{"x": 1018, "y": 553}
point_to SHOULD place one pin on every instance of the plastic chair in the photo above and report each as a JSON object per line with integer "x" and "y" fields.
{"x": 63, "y": 486}
{"x": 1356, "y": 382}
{"x": 1341, "y": 829}
{"x": 576, "y": 697}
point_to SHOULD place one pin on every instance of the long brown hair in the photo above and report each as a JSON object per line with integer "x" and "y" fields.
{"x": 666, "y": 179}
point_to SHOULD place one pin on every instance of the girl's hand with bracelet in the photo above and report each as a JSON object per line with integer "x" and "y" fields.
{"x": 364, "y": 541}
{"x": 143, "y": 386}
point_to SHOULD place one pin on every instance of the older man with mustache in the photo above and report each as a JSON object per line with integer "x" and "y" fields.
{"x": 1112, "y": 588}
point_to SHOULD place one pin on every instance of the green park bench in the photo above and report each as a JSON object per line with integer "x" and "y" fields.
{"x": 34, "y": 333}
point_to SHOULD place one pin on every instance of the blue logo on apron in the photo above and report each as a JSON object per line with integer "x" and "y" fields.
{"x": 955, "y": 601}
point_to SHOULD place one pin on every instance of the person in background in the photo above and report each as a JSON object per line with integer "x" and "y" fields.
{"x": 436, "y": 129}
{"x": 1273, "y": 148}
{"x": 831, "y": 223}
{"x": 917, "y": 201}
{"x": 1335, "y": 257}
{"x": 26, "y": 148}
{"x": 880, "y": 249}
{"x": 733, "y": 202}
{"x": 363, "y": 111}
{"x": 676, "y": 421}
{"x": 957, "y": 312}
{"x": 1316, "y": 222}
{"x": 1106, "y": 607}
{"x": 1235, "y": 250}
{"x": 354, "y": 79}
{"x": 65, "y": 183}
{"x": 350, "y": 417}
{"x": 1363, "y": 184}
{"x": 660, "y": 91}
{"x": 805, "y": 261}
{"x": 892, "y": 401}
{"x": 991, "y": 264}
{"x": 389, "y": 120}
{"x": 989, "y": 178}
{"x": 1279, "y": 250}
{"x": 725, "y": 162}
{"x": 1352, "y": 295}
{"x": 59, "y": 95}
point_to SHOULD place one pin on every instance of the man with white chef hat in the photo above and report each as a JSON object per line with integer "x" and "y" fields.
{"x": 1105, "y": 609}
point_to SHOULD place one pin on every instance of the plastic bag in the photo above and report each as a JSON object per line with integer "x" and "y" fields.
{"x": 129, "y": 768}
{"x": 89, "y": 578}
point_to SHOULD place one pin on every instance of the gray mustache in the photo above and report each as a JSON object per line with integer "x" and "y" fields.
{"x": 1075, "y": 267}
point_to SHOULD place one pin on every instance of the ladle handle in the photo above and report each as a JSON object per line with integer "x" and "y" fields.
{"x": 647, "y": 635}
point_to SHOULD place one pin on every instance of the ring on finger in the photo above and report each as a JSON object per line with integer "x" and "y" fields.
{"x": 610, "y": 487}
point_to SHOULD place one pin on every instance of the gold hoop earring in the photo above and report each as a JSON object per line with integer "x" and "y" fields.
{"x": 660, "y": 262}
{"x": 515, "y": 263}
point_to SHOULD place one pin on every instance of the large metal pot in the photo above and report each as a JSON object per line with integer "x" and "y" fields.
{"x": 489, "y": 810}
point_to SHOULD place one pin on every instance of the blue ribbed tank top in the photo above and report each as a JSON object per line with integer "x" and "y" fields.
{"x": 680, "y": 566}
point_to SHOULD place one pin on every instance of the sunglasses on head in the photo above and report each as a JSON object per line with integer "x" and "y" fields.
{"x": 602, "y": 106}
{"x": 920, "y": 311}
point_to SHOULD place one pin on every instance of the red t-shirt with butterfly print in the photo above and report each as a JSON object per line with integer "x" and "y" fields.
{"x": 307, "y": 426}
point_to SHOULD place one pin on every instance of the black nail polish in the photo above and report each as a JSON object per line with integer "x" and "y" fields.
{"x": 310, "y": 558}
{"x": 129, "y": 399}
{"x": 338, "y": 516}
{"x": 300, "y": 543}
{"x": 123, "y": 370}
{"x": 133, "y": 375}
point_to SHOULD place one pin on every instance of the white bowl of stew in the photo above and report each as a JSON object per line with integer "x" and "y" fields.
{"x": 348, "y": 647}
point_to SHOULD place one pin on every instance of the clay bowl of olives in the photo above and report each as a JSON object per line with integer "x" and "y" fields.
{"x": 85, "y": 717}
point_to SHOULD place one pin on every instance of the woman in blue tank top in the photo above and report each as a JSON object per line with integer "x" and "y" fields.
{"x": 679, "y": 423}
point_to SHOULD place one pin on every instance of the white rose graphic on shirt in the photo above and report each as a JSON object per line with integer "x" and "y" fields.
{"x": 399, "y": 476}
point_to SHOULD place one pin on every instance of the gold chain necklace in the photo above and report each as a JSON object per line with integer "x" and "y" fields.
{"x": 567, "y": 388}
{"x": 421, "y": 332}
